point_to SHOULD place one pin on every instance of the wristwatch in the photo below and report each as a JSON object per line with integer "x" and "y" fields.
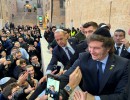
{"x": 68, "y": 89}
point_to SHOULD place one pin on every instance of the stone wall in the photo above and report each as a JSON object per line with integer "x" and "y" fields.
{"x": 8, "y": 7}
{"x": 12, "y": 9}
{"x": 57, "y": 16}
{"x": 81, "y": 11}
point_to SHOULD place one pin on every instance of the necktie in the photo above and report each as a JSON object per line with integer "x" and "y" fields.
{"x": 100, "y": 73}
{"x": 117, "y": 50}
{"x": 69, "y": 52}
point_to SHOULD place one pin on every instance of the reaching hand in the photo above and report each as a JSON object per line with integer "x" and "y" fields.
{"x": 75, "y": 78}
{"x": 79, "y": 95}
{"x": 61, "y": 72}
{"x": 29, "y": 89}
{"x": 45, "y": 97}
{"x": 125, "y": 42}
{"x": 22, "y": 78}
{"x": 43, "y": 79}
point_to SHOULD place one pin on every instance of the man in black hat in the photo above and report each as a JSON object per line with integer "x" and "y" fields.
{"x": 102, "y": 73}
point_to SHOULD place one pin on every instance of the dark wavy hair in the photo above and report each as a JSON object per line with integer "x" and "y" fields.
{"x": 107, "y": 42}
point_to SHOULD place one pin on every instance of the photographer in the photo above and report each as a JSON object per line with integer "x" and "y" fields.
{"x": 31, "y": 76}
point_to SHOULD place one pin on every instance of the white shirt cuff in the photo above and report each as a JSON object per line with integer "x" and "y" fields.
{"x": 48, "y": 72}
{"x": 97, "y": 98}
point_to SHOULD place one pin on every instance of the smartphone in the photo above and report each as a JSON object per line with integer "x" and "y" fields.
{"x": 57, "y": 68}
{"x": 52, "y": 90}
{"x": 30, "y": 81}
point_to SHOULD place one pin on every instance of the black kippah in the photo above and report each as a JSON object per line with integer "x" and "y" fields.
{"x": 103, "y": 32}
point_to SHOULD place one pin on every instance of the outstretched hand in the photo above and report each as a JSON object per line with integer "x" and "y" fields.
{"x": 75, "y": 78}
{"x": 79, "y": 95}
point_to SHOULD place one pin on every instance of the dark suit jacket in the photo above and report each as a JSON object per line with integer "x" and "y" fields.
{"x": 59, "y": 54}
{"x": 125, "y": 53}
{"x": 114, "y": 78}
{"x": 126, "y": 94}
{"x": 82, "y": 46}
{"x": 120, "y": 96}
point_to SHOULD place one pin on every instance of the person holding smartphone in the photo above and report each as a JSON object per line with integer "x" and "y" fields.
{"x": 65, "y": 52}
{"x": 31, "y": 76}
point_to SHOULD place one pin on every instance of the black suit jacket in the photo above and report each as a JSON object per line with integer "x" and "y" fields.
{"x": 124, "y": 52}
{"x": 114, "y": 78}
{"x": 59, "y": 54}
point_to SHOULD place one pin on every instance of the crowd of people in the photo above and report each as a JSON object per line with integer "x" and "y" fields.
{"x": 99, "y": 65}
{"x": 20, "y": 61}
{"x": 92, "y": 59}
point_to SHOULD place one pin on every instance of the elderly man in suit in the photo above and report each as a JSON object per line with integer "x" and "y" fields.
{"x": 102, "y": 72}
{"x": 122, "y": 46}
{"x": 65, "y": 52}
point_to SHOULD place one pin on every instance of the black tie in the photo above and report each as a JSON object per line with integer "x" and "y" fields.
{"x": 69, "y": 52}
{"x": 117, "y": 50}
{"x": 100, "y": 73}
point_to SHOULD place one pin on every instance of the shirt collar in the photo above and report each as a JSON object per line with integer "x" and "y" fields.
{"x": 67, "y": 45}
{"x": 104, "y": 61}
{"x": 118, "y": 46}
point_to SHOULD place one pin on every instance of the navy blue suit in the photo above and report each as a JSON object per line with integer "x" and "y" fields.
{"x": 120, "y": 96}
{"x": 59, "y": 54}
{"x": 113, "y": 81}
{"x": 124, "y": 53}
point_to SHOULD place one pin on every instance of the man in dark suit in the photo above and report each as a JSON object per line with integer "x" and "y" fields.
{"x": 60, "y": 52}
{"x": 88, "y": 29}
{"x": 122, "y": 46}
{"x": 125, "y": 95}
{"x": 106, "y": 79}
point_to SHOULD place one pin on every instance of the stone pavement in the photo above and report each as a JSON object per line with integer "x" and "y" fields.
{"x": 46, "y": 55}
